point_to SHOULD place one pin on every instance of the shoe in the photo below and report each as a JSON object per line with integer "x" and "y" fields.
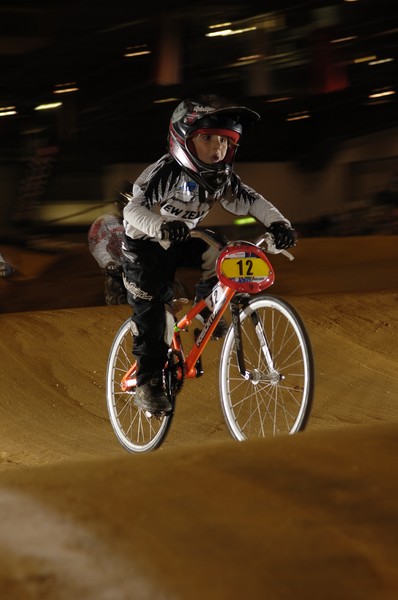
{"x": 152, "y": 397}
{"x": 221, "y": 329}
{"x": 222, "y": 326}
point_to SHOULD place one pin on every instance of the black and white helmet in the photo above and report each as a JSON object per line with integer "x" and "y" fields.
{"x": 218, "y": 117}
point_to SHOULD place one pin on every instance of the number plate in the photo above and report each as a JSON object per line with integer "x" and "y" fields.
{"x": 245, "y": 268}
{"x": 241, "y": 268}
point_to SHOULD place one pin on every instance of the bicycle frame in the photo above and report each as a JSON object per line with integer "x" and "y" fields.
{"x": 221, "y": 297}
{"x": 206, "y": 333}
{"x": 193, "y": 356}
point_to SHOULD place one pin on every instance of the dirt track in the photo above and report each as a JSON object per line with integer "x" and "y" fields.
{"x": 312, "y": 515}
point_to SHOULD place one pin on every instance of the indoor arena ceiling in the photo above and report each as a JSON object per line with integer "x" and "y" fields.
{"x": 317, "y": 71}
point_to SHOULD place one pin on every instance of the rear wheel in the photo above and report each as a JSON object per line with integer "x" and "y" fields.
{"x": 276, "y": 397}
{"x": 135, "y": 429}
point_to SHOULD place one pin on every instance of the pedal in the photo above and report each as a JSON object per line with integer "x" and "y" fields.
{"x": 156, "y": 415}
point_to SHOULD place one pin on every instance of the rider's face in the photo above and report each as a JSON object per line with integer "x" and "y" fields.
{"x": 210, "y": 148}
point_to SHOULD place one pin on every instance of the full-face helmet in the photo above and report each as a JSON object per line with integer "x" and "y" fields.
{"x": 217, "y": 117}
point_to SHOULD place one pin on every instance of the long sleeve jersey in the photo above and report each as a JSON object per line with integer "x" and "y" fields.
{"x": 164, "y": 191}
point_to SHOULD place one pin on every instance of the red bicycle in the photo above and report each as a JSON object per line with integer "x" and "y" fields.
{"x": 266, "y": 372}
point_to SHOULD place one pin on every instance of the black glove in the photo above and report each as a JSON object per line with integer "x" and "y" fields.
{"x": 175, "y": 231}
{"x": 284, "y": 236}
{"x": 111, "y": 268}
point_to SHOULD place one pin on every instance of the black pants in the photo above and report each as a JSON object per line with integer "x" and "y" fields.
{"x": 149, "y": 272}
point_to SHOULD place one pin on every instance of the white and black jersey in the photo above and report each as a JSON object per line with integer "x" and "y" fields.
{"x": 165, "y": 191}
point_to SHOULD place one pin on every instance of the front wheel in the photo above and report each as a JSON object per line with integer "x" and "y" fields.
{"x": 275, "y": 395}
{"x": 135, "y": 429}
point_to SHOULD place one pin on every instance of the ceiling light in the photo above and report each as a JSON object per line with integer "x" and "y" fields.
{"x": 163, "y": 100}
{"x": 381, "y": 93}
{"x": 65, "y": 88}
{"x": 365, "y": 59}
{"x": 226, "y": 32}
{"x": 227, "y": 24}
{"x": 280, "y": 99}
{"x": 48, "y": 106}
{"x": 298, "y": 116}
{"x": 132, "y": 51}
{"x": 380, "y": 61}
{"x": 251, "y": 57}
{"x": 348, "y": 38}
{"x": 7, "y": 111}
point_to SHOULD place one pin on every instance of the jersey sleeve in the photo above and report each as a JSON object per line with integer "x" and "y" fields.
{"x": 241, "y": 199}
{"x": 153, "y": 186}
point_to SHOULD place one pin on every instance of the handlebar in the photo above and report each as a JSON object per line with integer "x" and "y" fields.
{"x": 268, "y": 239}
{"x": 217, "y": 241}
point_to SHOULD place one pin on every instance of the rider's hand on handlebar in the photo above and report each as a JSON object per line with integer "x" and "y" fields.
{"x": 284, "y": 236}
{"x": 175, "y": 231}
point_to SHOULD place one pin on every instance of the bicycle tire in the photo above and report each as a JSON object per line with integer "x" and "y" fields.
{"x": 259, "y": 408}
{"x": 134, "y": 428}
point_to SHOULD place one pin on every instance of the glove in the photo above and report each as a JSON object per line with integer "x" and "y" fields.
{"x": 174, "y": 231}
{"x": 111, "y": 268}
{"x": 284, "y": 236}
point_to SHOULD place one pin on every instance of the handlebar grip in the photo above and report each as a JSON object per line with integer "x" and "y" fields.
{"x": 268, "y": 238}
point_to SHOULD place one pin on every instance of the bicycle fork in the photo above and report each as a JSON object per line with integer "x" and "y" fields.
{"x": 256, "y": 375}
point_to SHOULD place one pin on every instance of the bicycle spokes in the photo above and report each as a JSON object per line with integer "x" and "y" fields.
{"x": 274, "y": 394}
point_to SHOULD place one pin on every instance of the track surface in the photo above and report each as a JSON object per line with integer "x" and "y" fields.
{"x": 306, "y": 516}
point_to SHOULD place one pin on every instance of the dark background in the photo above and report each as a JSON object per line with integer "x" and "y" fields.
{"x": 303, "y": 56}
